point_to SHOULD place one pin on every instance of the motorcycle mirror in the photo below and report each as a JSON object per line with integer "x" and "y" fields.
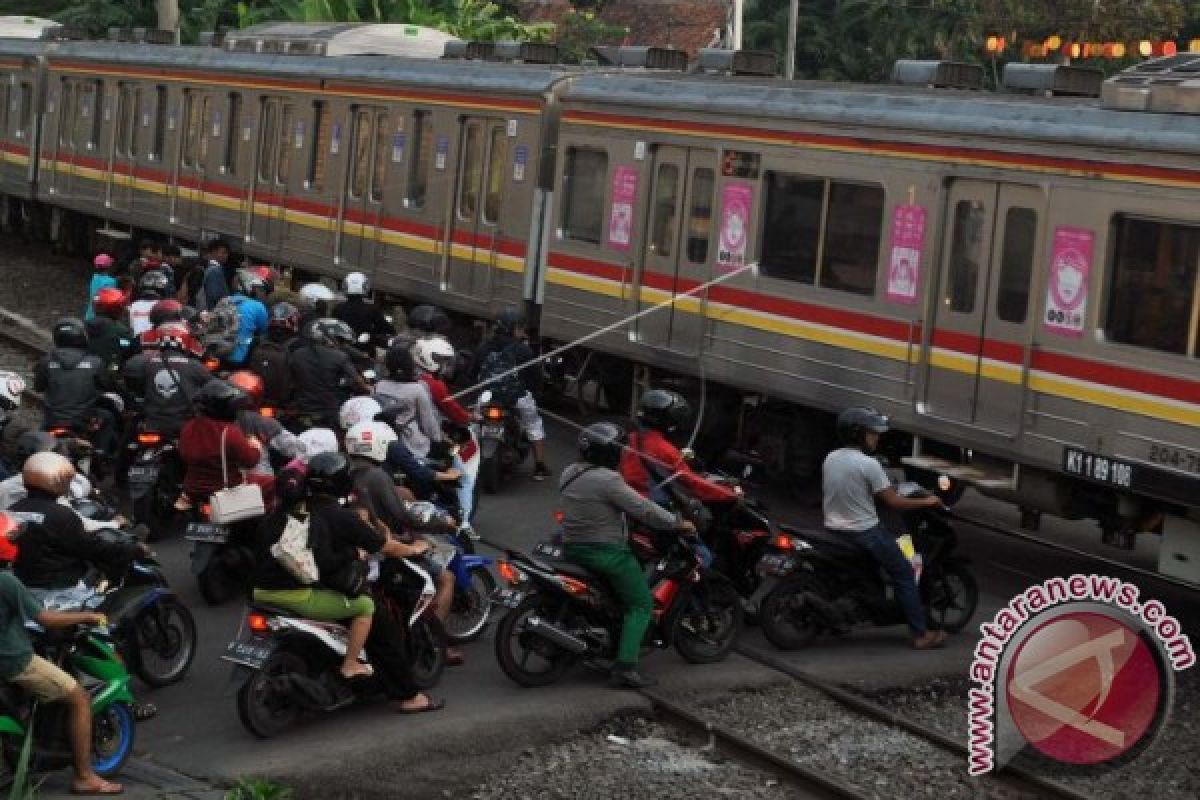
{"x": 486, "y": 397}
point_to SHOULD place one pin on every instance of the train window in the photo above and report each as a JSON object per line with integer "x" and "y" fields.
{"x": 25, "y": 111}
{"x": 383, "y": 154}
{"x": 66, "y": 114}
{"x": 699, "y": 223}
{"x": 1016, "y": 264}
{"x": 160, "y": 121}
{"x": 266, "y": 141}
{"x": 1153, "y": 285}
{"x": 125, "y": 115}
{"x": 283, "y": 161}
{"x": 471, "y": 178}
{"x": 792, "y": 224}
{"x": 497, "y": 158}
{"x": 966, "y": 255}
{"x": 850, "y": 246}
{"x": 362, "y": 153}
{"x": 3, "y": 109}
{"x": 92, "y": 109}
{"x": 135, "y": 113}
{"x": 320, "y": 146}
{"x": 666, "y": 198}
{"x": 205, "y": 116}
{"x": 422, "y": 157}
{"x": 583, "y": 193}
{"x": 232, "y": 126}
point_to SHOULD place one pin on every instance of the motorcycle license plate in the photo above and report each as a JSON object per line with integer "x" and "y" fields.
{"x": 492, "y": 432}
{"x": 248, "y": 654}
{"x": 207, "y": 532}
{"x": 775, "y": 564}
{"x": 143, "y": 473}
{"x": 508, "y": 598}
{"x": 548, "y": 550}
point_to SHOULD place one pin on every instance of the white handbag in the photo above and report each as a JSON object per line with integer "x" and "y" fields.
{"x": 293, "y": 553}
{"x": 236, "y": 503}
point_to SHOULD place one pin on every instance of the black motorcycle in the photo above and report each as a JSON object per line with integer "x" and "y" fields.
{"x": 560, "y": 613}
{"x": 829, "y": 584}
{"x": 222, "y": 556}
{"x": 502, "y": 444}
{"x": 289, "y": 665}
{"x": 155, "y": 479}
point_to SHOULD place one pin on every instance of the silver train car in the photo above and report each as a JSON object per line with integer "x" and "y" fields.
{"x": 1014, "y": 279}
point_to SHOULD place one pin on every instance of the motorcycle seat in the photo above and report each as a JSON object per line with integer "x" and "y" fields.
{"x": 836, "y": 543}
{"x": 277, "y": 611}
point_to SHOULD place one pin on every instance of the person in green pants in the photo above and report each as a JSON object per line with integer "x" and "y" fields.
{"x": 595, "y": 502}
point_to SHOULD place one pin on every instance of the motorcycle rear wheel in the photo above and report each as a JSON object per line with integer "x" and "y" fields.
{"x": 471, "y": 611}
{"x": 953, "y": 598}
{"x": 489, "y": 474}
{"x": 166, "y": 642}
{"x": 428, "y": 651}
{"x": 784, "y": 620}
{"x": 511, "y": 633}
{"x": 708, "y": 628}
{"x": 264, "y": 707}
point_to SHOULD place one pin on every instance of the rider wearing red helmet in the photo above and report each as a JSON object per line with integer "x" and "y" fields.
{"x": 108, "y": 335}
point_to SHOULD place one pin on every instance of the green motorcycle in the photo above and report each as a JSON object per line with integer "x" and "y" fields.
{"x": 86, "y": 654}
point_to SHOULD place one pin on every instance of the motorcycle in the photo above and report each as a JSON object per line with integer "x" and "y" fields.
{"x": 222, "y": 556}
{"x": 155, "y": 479}
{"x": 471, "y": 609}
{"x": 825, "y": 583}
{"x": 86, "y": 655}
{"x": 154, "y": 631}
{"x": 502, "y": 444}
{"x": 289, "y": 665}
{"x": 559, "y": 613}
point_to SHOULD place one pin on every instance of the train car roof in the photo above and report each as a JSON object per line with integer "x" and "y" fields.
{"x": 22, "y": 48}
{"x": 1074, "y": 121}
{"x": 434, "y": 73}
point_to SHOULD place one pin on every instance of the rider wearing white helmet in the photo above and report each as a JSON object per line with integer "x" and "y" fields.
{"x": 358, "y": 409}
{"x": 361, "y": 314}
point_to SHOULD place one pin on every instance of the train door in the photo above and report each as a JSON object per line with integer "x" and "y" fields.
{"x": 271, "y": 165}
{"x": 475, "y": 218}
{"x": 981, "y": 326}
{"x": 366, "y": 179}
{"x": 678, "y": 244}
{"x": 62, "y": 146}
{"x": 123, "y": 151}
{"x": 188, "y": 187}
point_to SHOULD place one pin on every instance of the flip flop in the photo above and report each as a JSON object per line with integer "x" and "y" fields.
{"x": 367, "y": 673}
{"x": 105, "y": 792}
{"x": 432, "y": 705}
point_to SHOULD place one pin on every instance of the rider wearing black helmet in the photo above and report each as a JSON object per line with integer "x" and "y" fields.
{"x": 653, "y": 461}
{"x": 852, "y": 483}
{"x": 427, "y": 319}
{"x": 323, "y": 373}
{"x": 73, "y": 382}
{"x": 595, "y": 501}
{"x": 506, "y": 364}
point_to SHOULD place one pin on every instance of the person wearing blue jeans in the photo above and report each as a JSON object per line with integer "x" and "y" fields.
{"x": 851, "y": 483}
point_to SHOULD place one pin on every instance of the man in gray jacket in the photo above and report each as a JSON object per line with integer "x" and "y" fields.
{"x": 595, "y": 502}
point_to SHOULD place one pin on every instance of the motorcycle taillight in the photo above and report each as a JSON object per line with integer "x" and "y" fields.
{"x": 493, "y": 413}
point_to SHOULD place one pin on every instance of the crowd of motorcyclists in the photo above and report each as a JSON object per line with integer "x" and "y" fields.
{"x": 344, "y": 420}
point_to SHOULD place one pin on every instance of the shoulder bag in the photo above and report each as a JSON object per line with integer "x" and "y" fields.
{"x": 237, "y": 503}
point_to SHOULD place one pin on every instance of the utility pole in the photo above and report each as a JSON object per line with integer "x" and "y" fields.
{"x": 738, "y": 13}
{"x": 789, "y": 64}
{"x": 168, "y": 16}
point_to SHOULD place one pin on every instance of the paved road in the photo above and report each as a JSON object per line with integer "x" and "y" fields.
{"x": 368, "y": 752}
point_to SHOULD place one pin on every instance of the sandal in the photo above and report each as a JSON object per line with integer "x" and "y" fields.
{"x": 431, "y": 705}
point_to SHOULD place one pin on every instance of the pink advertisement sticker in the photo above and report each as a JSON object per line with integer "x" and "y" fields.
{"x": 620, "y": 215}
{"x": 908, "y": 245}
{"x": 1067, "y": 288}
{"x": 737, "y": 199}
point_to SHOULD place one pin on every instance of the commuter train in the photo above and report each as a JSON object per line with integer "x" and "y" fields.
{"x": 1013, "y": 279}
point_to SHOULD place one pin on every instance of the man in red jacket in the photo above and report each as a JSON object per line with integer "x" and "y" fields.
{"x": 651, "y": 459}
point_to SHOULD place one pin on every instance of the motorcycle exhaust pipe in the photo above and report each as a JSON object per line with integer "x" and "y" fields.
{"x": 557, "y": 636}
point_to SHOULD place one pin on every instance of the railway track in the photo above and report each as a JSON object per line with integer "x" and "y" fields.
{"x": 822, "y": 782}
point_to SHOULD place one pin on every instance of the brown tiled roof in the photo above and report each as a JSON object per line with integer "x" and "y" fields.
{"x": 683, "y": 24}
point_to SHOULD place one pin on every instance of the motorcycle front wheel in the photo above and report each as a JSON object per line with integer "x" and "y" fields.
{"x": 113, "y": 733}
{"x": 166, "y": 642}
{"x": 707, "y": 627}
{"x": 953, "y": 597}
{"x": 785, "y": 619}
{"x": 471, "y": 610}
{"x": 428, "y": 654}
{"x": 265, "y": 704}
{"x": 527, "y": 658}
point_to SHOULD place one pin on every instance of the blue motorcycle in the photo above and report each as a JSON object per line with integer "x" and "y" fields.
{"x": 473, "y": 585}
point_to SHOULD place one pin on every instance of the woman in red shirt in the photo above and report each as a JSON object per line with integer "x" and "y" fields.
{"x": 206, "y": 436}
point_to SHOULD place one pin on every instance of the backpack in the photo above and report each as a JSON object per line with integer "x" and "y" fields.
{"x": 220, "y": 335}
{"x": 499, "y": 373}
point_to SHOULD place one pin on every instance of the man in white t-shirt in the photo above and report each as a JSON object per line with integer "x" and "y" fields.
{"x": 852, "y": 482}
